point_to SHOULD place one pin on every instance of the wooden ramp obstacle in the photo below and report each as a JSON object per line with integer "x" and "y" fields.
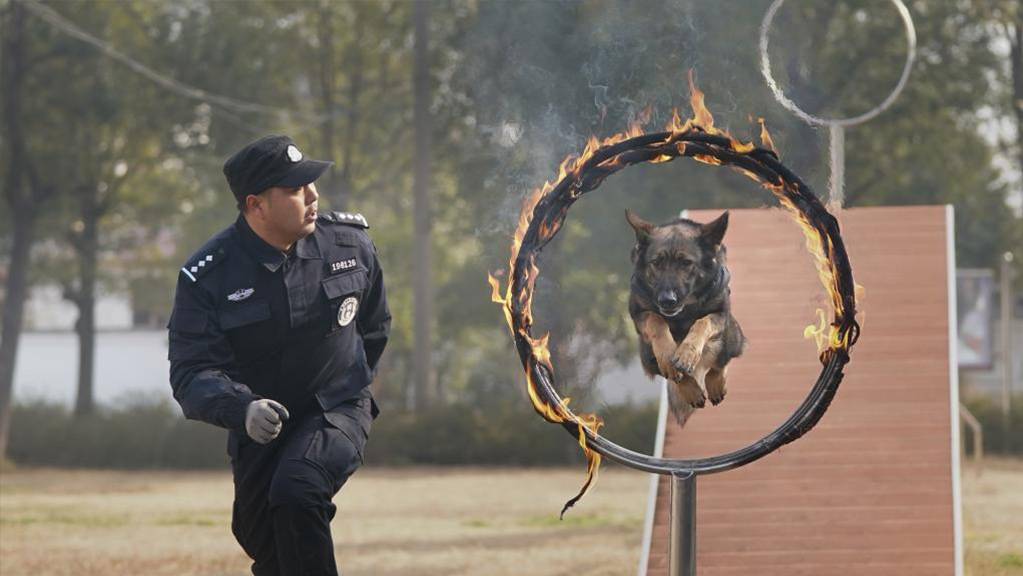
{"x": 873, "y": 489}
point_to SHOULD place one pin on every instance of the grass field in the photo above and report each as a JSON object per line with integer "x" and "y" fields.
{"x": 418, "y": 521}
{"x": 993, "y": 518}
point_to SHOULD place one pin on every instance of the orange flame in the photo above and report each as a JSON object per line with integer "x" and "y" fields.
{"x": 703, "y": 117}
{"x": 702, "y": 120}
{"x": 820, "y": 247}
{"x": 765, "y": 136}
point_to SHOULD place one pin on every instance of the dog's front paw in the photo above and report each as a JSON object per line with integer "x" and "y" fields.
{"x": 692, "y": 394}
{"x": 716, "y": 386}
{"x": 685, "y": 359}
{"x": 667, "y": 370}
{"x": 716, "y": 395}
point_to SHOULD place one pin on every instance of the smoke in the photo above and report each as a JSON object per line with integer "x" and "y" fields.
{"x": 549, "y": 75}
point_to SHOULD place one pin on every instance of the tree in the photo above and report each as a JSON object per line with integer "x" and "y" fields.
{"x": 24, "y": 191}
{"x": 113, "y": 123}
{"x": 422, "y": 285}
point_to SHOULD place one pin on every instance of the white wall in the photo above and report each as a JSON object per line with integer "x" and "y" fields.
{"x": 47, "y": 310}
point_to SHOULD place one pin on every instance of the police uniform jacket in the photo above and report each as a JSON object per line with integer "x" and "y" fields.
{"x": 304, "y": 328}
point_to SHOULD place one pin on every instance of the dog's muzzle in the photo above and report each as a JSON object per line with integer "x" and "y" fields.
{"x": 668, "y": 303}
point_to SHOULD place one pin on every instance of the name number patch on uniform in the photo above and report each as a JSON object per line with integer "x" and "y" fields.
{"x": 343, "y": 265}
{"x": 242, "y": 294}
{"x": 346, "y": 312}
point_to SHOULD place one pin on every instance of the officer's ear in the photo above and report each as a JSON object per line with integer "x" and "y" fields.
{"x": 253, "y": 203}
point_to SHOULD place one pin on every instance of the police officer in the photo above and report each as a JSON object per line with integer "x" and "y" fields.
{"x": 278, "y": 324}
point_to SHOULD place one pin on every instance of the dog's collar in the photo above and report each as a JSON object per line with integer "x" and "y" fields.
{"x": 719, "y": 282}
{"x": 716, "y": 285}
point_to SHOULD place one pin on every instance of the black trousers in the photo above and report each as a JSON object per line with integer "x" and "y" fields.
{"x": 283, "y": 490}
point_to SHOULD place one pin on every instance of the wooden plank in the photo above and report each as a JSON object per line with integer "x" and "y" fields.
{"x": 869, "y": 491}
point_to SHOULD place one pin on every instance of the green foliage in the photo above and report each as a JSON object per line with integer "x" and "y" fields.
{"x": 154, "y": 435}
{"x": 997, "y": 440}
{"x": 140, "y": 435}
{"x": 1010, "y": 560}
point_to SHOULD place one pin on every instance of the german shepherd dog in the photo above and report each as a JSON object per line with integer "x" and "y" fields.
{"x": 679, "y": 303}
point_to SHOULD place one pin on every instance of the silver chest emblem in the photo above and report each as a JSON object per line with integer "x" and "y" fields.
{"x": 239, "y": 295}
{"x": 346, "y": 311}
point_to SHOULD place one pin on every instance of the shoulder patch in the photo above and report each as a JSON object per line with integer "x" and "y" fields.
{"x": 202, "y": 261}
{"x": 348, "y": 218}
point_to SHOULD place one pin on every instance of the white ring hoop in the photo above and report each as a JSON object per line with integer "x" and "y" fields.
{"x": 765, "y": 69}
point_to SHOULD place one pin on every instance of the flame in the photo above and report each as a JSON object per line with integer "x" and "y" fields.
{"x": 816, "y": 332}
{"x": 742, "y": 147}
{"x": 558, "y": 413}
{"x": 821, "y": 249}
{"x": 541, "y": 351}
{"x": 707, "y": 159}
{"x": 569, "y": 174}
{"x": 702, "y": 120}
{"x": 765, "y": 137}
{"x": 702, "y": 116}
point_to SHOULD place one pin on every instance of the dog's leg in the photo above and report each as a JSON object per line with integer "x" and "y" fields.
{"x": 690, "y": 392}
{"x": 681, "y": 399}
{"x": 716, "y": 385}
{"x": 707, "y": 370}
{"x": 688, "y": 356}
{"x": 684, "y": 392}
{"x": 654, "y": 330}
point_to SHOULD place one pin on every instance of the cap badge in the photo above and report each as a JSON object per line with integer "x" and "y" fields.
{"x": 346, "y": 311}
{"x": 293, "y": 154}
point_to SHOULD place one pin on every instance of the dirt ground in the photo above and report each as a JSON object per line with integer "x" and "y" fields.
{"x": 421, "y": 521}
{"x": 993, "y": 518}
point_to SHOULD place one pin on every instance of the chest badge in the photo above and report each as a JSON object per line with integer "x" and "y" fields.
{"x": 343, "y": 265}
{"x": 242, "y": 294}
{"x": 346, "y": 311}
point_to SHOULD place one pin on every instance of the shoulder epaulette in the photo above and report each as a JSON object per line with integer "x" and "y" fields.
{"x": 344, "y": 218}
{"x": 201, "y": 262}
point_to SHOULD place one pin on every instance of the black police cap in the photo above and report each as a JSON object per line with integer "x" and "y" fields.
{"x": 268, "y": 162}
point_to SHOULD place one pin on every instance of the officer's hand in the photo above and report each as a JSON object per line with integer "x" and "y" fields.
{"x": 263, "y": 419}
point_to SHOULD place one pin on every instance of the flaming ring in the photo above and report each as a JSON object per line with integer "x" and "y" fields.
{"x": 712, "y": 147}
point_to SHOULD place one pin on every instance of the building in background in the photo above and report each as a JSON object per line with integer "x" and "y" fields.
{"x": 980, "y": 327}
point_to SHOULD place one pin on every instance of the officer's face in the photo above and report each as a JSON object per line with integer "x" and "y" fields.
{"x": 289, "y": 213}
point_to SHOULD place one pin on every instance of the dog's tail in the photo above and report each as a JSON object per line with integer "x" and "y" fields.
{"x": 680, "y": 408}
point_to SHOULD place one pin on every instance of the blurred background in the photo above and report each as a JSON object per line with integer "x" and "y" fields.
{"x": 440, "y": 117}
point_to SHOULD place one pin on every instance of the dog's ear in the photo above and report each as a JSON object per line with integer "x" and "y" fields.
{"x": 714, "y": 232}
{"x": 641, "y": 226}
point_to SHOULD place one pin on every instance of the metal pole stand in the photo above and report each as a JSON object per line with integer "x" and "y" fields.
{"x": 682, "y": 525}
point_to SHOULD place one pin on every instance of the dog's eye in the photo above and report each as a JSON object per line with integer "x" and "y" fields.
{"x": 686, "y": 263}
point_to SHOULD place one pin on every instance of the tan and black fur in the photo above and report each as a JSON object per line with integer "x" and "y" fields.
{"x": 679, "y": 303}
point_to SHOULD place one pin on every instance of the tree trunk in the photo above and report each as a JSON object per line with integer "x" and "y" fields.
{"x": 22, "y": 204}
{"x": 355, "y": 79}
{"x": 328, "y": 182}
{"x": 1016, "y": 58}
{"x": 13, "y": 311}
{"x": 87, "y": 248}
{"x": 422, "y": 369}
